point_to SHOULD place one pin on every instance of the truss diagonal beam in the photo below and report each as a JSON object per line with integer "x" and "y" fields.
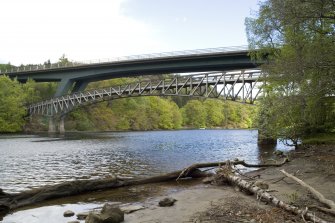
{"x": 213, "y": 85}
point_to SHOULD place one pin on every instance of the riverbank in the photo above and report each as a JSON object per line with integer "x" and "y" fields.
{"x": 197, "y": 202}
{"x": 213, "y": 204}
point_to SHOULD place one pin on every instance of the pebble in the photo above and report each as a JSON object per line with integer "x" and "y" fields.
{"x": 68, "y": 213}
{"x": 166, "y": 202}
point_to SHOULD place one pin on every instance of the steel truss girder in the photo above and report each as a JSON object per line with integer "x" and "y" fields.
{"x": 235, "y": 86}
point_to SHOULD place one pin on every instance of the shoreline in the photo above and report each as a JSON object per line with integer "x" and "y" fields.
{"x": 197, "y": 202}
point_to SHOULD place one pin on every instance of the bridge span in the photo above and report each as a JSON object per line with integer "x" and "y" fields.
{"x": 75, "y": 76}
{"x": 240, "y": 86}
{"x": 217, "y": 82}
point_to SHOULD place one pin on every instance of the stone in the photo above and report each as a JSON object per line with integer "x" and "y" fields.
{"x": 82, "y": 215}
{"x": 109, "y": 214}
{"x": 166, "y": 202}
{"x": 131, "y": 208}
{"x": 73, "y": 222}
{"x": 93, "y": 218}
{"x": 261, "y": 184}
{"x": 68, "y": 213}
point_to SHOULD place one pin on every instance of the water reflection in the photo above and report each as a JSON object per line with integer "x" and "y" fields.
{"x": 28, "y": 161}
{"x": 266, "y": 152}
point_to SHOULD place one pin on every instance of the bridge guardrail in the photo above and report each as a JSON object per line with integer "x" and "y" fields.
{"x": 124, "y": 59}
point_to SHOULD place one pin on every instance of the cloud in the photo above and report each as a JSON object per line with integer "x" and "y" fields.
{"x": 37, "y": 30}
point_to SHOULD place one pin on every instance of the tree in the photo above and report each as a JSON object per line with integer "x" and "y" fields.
{"x": 214, "y": 110}
{"x": 12, "y": 110}
{"x": 194, "y": 114}
{"x": 63, "y": 60}
{"x": 298, "y": 38}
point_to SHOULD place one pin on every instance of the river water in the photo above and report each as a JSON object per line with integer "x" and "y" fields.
{"x": 28, "y": 161}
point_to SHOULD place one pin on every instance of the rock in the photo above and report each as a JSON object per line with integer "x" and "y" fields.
{"x": 208, "y": 180}
{"x": 237, "y": 189}
{"x": 261, "y": 185}
{"x": 68, "y": 213}
{"x": 73, "y": 222}
{"x": 109, "y": 214}
{"x": 167, "y": 202}
{"x": 131, "y": 208}
{"x": 82, "y": 215}
{"x": 93, "y": 218}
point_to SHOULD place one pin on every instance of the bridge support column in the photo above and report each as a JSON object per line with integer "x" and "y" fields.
{"x": 79, "y": 86}
{"x": 63, "y": 87}
{"x": 52, "y": 125}
{"x": 61, "y": 125}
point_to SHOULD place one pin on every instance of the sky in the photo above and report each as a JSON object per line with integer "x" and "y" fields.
{"x": 34, "y": 31}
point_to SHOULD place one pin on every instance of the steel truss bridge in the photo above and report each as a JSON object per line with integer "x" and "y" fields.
{"x": 242, "y": 86}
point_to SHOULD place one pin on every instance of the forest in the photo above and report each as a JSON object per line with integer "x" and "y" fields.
{"x": 137, "y": 113}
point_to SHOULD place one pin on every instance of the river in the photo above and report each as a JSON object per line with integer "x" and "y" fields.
{"x": 28, "y": 161}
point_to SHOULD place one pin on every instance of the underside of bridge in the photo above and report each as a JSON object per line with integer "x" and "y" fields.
{"x": 74, "y": 77}
{"x": 241, "y": 86}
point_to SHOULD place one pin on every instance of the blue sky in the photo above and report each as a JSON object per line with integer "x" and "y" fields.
{"x": 37, "y": 30}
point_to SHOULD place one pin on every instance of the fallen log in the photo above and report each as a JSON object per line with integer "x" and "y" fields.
{"x": 316, "y": 194}
{"x": 227, "y": 172}
{"x": 9, "y": 202}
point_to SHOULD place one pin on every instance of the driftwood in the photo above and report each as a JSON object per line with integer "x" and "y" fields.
{"x": 10, "y": 202}
{"x": 227, "y": 172}
{"x": 329, "y": 203}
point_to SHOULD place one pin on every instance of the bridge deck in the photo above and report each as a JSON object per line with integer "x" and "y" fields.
{"x": 75, "y": 76}
{"x": 242, "y": 86}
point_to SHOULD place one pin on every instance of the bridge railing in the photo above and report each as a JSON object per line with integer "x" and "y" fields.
{"x": 243, "y": 86}
{"x": 124, "y": 59}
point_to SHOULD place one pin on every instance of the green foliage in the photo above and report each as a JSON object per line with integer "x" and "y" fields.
{"x": 217, "y": 113}
{"x": 320, "y": 138}
{"x": 12, "y": 110}
{"x": 298, "y": 38}
{"x": 79, "y": 120}
{"x": 194, "y": 114}
{"x": 140, "y": 113}
{"x": 4, "y": 67}
{"x": 63, "y": 60}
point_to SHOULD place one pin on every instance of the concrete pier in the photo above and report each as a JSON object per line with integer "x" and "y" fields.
{"x": 52, "y": 125}
{"x": 56, "y": 125}
{"x": 61, "y": 125}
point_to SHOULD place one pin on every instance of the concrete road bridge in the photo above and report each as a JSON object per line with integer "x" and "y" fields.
{"x": 75, "y": 76}
{"x": 228, "y": 73}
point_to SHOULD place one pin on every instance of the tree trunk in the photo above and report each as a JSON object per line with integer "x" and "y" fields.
{"x": 12, "y": 201}
{"x": 227, "y": 173}
{"x": 317, "y": 195}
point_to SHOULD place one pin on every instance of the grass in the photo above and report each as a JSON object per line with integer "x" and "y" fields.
{"x": 320, "y": 138}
